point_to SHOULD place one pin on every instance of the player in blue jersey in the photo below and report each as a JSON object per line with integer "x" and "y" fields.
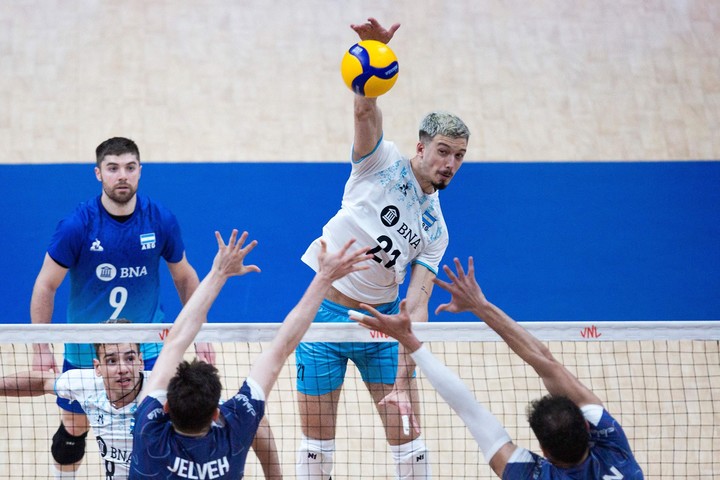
{"x": 392, "y": 203}
{"x": 578, "y": 437}
{"x": 112, "y": 246}
{"x": 179, "y": 430}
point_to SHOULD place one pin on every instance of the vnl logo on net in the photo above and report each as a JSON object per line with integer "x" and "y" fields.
{"x": 374, "y": 334}
{"x": 590, "y": 332}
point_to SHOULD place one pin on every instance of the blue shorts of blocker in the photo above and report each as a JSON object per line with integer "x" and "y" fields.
{"x": 321, "y": 366}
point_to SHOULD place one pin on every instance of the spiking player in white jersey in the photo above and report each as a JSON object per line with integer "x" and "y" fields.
{"x": 579, "y": 439}
{"x": 390, "y": 202}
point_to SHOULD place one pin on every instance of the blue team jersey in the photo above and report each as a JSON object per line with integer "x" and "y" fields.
{"x": 610, "y": 458}
{"x": 159, "y": 452}
{"x": 114, "y": 266}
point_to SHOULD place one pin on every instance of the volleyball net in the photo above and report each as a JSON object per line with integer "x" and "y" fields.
{"x": 661, "y": 380}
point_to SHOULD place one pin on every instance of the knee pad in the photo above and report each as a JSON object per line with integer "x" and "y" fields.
{"x": 67, "y": 449}
{"x": 315, "y": 459}
{"x": 411, "y": 460}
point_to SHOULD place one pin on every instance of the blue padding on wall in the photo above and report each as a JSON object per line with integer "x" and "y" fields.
{"x": 551, "y": 241}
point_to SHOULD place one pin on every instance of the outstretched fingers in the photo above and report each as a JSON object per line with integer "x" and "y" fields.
{"x": 458, "y": 267}
{"x": 372, "y": 30}
{"x": 455, "y": 285}
{"x": 441, "y": 308}
{"x": 220, "y": 241}
{"x": 231, "y": 241}
{"x": 236, "y": 244}
{"x": 387, "y": 33}
{"x": 363, "y": 320}
{"x": 375, "y": 321}
{"x": 360, "y": 256}
{"x": 357, "y": 256}
{"x": 231, "y": 256}
{"x": 367, "y": 321}
{"x": 401, "y": 401}
{"x": 471, "y": 267}
{"x": 247, "y": 248}
{"x": 442, "y": 284}
{"x": 395, "y": 325}
{"x": 233, "y": 237}
{"x": 354, "y": 259}
{"x": 345, "y": 247}
{"x": 456, "y": 277}
{"x": 244, "y": 251}
{"x": 447, "y": 286}
{"x": 342, "y": 262}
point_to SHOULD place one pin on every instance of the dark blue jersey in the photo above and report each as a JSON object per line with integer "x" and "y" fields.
{"x": 114, "y": 266}
{"x": 159, "y": 452}
{"x": 610, "y": 457}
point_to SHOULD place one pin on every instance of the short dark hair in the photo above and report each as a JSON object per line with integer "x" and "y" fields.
{"x": 560, "y": 427}
{"x": 193, "y": 395}
{"x": 111, "y": 321}
{"x": 116, "y": 146}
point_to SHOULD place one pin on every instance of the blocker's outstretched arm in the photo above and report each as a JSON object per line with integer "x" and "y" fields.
{"x": 491, "y": 437}
{"x": 467, "y": 296}
{"x": 228, "y": 263}
{"x": 331, "y": 267}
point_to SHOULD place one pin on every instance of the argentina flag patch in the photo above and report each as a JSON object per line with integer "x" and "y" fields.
{"x": 147, "y": 240}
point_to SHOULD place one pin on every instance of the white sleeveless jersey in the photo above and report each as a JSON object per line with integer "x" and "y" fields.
{"x": 111, "y": 426}
{"x": 384, "y": 208}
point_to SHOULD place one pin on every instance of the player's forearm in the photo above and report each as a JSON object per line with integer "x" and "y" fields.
{"x": 42, "y": 304}
{"x": 520, "y": 341}
{"x": 266, "y": 451}
{"x": 368, "y": 126}
{"x": 267, "y": 366}
{"x": 26, "y": 384}
{"x": 187, "y": 285}
{"x": 46, "y": 284}
{"x": 483, "y": 425}
{"x": 184, "y": 330}
{"x": 301, "y": 316}
{"x": 408, "y": 344}
{"x": 366, "y": 110}
{"x": 405, "y": 369}
{"x": 558, "y": 380}
{"x": 195, "y": 311}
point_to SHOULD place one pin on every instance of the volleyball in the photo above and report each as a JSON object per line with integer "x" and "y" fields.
{"x": 369, "y": 68}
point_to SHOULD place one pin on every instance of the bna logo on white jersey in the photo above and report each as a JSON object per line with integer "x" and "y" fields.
{"x": 390, "y": 215}
{"x": 106, "y": 272}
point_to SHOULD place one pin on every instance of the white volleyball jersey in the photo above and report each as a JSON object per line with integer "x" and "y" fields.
{"x": 111, "y": 426}
{"x": 384, "y": 208}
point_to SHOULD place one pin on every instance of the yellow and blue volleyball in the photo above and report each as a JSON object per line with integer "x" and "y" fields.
{"x": 369, "y": 68}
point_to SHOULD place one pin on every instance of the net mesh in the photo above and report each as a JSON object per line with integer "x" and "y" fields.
{"x": 661, "y": 380}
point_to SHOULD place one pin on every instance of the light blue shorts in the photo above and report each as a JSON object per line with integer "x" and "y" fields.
{"x": 321, "y": 366}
